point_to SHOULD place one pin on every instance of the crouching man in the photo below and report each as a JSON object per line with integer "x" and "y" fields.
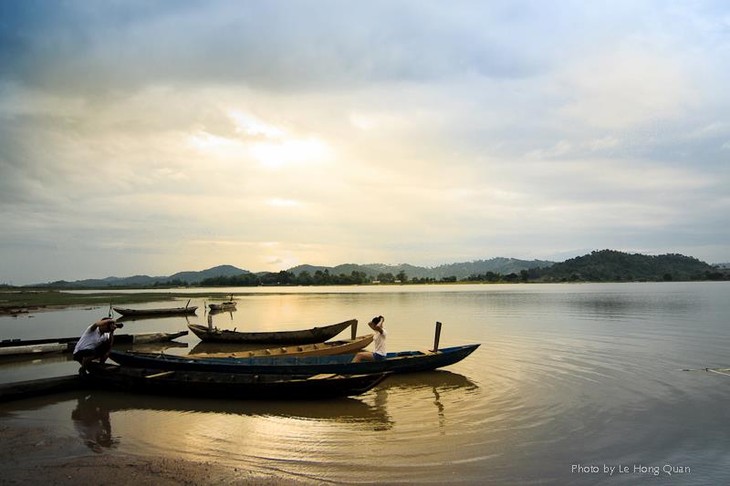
{"x": 95, "y": 343}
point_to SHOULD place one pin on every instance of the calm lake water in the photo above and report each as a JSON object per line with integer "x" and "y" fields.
{"x": 572, "y": 384}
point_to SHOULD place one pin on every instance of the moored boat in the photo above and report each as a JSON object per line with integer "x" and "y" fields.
{"x": 22, "y": 346}
{"x": 304, "y": 336}
{"x": 400, "y": 362}
{"x": 33, "y": 349}
{"x": 163, "y": 311}
{"x": 227, "y": 385}
{"x": 345, "y": 346}
{"x": 223, "y": 306}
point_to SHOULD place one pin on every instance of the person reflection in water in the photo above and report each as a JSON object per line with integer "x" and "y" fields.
{"x": 379, "y": 352}
{"x": 93, "y": 424}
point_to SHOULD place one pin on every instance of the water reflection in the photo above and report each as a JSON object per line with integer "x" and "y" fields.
{"x": 438, "y": 388}
{"x": 92, "y": 421}
{"x": 432, "y": 394}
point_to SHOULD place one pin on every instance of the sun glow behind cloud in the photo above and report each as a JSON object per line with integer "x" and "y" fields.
{"x": 397, "y": 132}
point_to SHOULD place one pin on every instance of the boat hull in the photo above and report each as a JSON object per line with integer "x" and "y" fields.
{"x": 8, "y": 347}
{"x": 347, "y": 346}
{"x": 227, "y": 385}
{"x": 305, "y": 336}
{"x": 173, "y": 311}
{"x": 225, "y": 306}
{"x": 402, "y": 362}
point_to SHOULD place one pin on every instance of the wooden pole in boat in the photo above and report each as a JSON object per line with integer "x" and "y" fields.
{"x": 353, "y": 329}
{"x": 186, "y": 305}
{"x": 437, "y": 337}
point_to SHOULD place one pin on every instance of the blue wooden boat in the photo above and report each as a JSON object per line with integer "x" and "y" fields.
{"x": 401, "y": 362}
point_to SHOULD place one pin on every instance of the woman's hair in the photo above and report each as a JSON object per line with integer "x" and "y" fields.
{"x": 376, "y": 319}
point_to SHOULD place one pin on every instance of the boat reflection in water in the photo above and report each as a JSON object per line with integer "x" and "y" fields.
{"x": 423, "y": 390}
{"x": 310, "y": 436}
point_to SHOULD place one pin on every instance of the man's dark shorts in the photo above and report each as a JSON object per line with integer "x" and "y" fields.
{"x": 97, "y": 352}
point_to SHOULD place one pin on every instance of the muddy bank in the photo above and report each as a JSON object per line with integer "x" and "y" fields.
{"x": 32, "y": 455}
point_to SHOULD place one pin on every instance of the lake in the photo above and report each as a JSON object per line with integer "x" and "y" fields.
{"x": 572, "y": 384}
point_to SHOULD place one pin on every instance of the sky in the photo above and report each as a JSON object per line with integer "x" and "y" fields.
{"x": 151, "y": 137}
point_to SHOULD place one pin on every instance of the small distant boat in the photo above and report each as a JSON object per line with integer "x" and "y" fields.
{"x": 329, "y": 348}
{"x": 226, "y": 385}
{"x": 223, "y": 306}
{"x": 305, "y": 336}
{"x": 164, "y": 311}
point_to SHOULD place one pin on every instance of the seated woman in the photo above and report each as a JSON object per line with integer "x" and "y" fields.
{"x": 379, "y": 352}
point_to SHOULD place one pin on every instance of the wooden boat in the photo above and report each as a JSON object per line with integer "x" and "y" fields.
{"x": 163, "y": 311}
{"x": 223, "y": 306}
{"x": 33, "y": 349}
{"x": 17, "y": 346}
{"x": 305, "y": 336}
{"x": 227, "y": 385}
{"x": 401, "y": 362}
{"x": 329, "y": 348}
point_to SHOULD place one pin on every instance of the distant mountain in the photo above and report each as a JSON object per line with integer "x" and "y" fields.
{"x": 598, "y": 266}
{"x": 190, "y": 277}
{"x": 459, "y": 270}
{"x": 219, "y": 271}
{"x": 613, "y": 266}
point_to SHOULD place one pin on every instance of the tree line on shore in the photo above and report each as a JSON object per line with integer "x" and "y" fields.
{"x": 599, "y": 266}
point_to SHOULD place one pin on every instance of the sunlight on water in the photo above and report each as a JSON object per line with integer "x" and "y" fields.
{"x": 565, "y": 375}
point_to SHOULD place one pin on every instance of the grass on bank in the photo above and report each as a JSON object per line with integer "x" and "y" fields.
{"x": 16, "y": 301}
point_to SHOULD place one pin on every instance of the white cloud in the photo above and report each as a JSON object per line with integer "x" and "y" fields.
{"x": 392, "y": 132}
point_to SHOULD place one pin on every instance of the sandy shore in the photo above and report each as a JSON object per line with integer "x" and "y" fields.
{"x": 33, "y": 455}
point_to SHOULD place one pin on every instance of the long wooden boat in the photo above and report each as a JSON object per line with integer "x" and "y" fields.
{"x": 33, "y": 349}
{"x": 163, "y": 311}
{"x": 20, "y": 346}
{"x": 305, "y": 336}
{"x": 401, "y": 362}
{"x": 329, "y": 348}
{"x": 228, "y": 385}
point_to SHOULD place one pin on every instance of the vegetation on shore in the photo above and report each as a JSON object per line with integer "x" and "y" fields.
{"x": 22, "y": 301}
{"x": 598, "y": 266}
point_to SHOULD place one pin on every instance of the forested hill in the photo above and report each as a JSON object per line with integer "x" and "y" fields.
{"x": 616, "y": 266}
{"x": 598, "y": 266}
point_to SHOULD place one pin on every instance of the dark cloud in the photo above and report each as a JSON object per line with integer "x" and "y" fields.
{"x": 82, "y": 45}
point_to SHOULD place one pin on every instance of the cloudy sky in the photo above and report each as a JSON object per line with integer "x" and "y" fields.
{"x": 158, "y": 136}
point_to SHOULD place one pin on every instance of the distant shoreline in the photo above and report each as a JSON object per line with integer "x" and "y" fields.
{"x": 21, "y": 301}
